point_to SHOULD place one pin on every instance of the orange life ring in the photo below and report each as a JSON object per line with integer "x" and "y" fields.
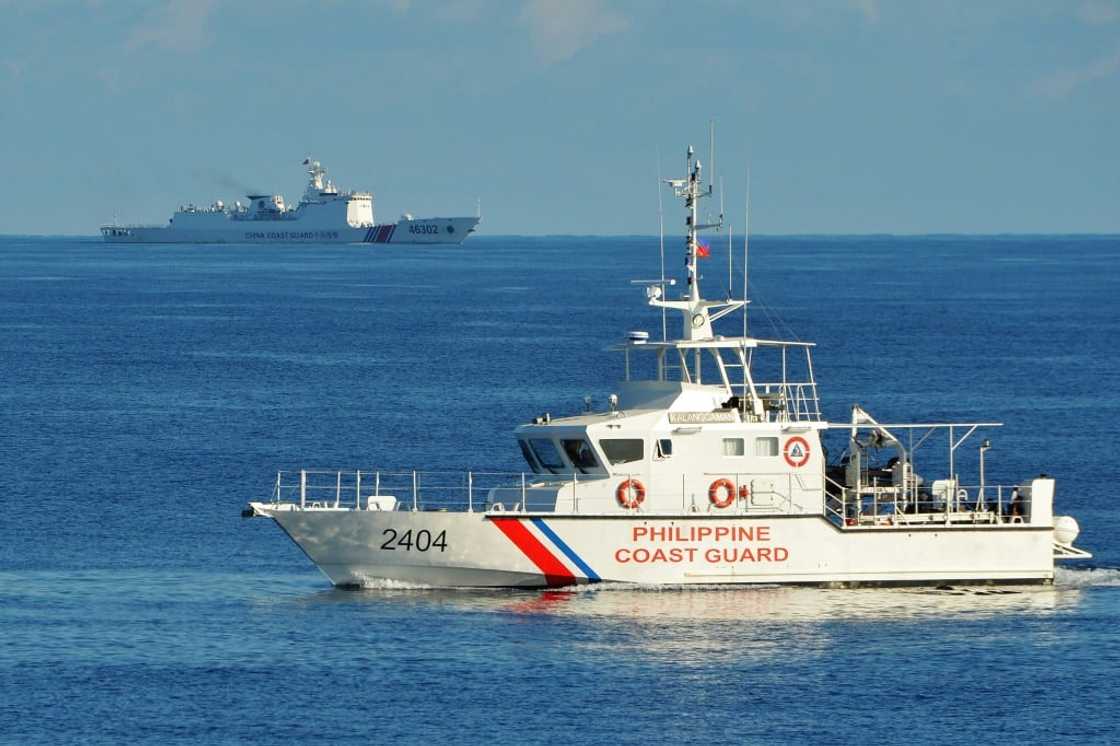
{"x": 630, "y": 494}
{"x": 728, "y": 488}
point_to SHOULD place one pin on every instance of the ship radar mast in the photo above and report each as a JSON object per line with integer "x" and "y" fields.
{"x": 698, "y": 313}
{"x": 317, "y": 183}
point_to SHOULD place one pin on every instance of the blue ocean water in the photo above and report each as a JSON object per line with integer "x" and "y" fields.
{"x": 148, "y": 392}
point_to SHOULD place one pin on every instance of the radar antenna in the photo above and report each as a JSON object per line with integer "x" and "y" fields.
{"x": 698, "y": 313}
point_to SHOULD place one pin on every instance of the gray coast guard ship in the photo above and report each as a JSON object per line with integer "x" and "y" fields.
{"x": 324, "y": 215}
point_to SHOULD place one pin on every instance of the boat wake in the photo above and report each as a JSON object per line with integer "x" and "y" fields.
{"x": 385, "y": 584}
{"x": 1090, "y": 577}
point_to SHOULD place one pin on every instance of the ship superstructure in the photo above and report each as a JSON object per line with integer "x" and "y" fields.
{"x": 323, "y": 215}
{"x": 707, "y": 465}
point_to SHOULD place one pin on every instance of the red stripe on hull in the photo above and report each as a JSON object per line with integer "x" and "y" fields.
{"x": 555, "y": 574}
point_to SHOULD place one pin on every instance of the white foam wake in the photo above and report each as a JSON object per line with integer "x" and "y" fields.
{"x": 386, "y": 584}
{"x": 1068, "y": 577}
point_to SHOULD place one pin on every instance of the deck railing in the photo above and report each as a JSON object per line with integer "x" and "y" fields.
{"x": 947, "y": 501}
{"x": 317, "y": 489}
{"x": 395, "y": 489}
{"x": 747, "y": 494}
{"x": 793, "y": 401}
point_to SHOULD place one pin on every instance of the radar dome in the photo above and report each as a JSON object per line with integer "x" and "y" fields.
{"x": 1066, "y": 529}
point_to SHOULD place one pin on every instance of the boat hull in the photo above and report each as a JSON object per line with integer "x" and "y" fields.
{"x": 415, "y": 231}
{"x": 444, "y": 549}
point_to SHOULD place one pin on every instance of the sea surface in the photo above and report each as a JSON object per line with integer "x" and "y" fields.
{"x": 147, "y": 393}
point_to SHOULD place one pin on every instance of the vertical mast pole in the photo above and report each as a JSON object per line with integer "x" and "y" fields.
{"x": 730, "y": 251}
{"x": 661, "y": 234}
{"x": 691, "y": 202}
{"x": 712, "y": 153}
{"x": 693, "y": 270}
{"x": 746, "y": 250}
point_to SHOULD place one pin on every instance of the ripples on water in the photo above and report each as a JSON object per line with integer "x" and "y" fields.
{"x": 148, "y": 655}
{"x": 150, "y": 392}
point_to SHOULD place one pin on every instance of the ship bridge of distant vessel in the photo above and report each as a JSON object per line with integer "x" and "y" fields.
{"x": 321, "y": 198}
{"x": 707, "y": 465}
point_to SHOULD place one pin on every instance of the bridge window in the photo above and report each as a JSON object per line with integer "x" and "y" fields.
{"x": 529, "y": 457}
{"x": 622, "y": 450}
{"x": 765, "y": 446}
{"x": 733, "y": 447}
{"x": 546, "y": 453}
{"x": 580, "y": 453}
{"x": 663, "y": 448}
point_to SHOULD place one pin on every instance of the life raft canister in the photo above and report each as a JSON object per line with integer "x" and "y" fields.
{"x": 721, "y": 493}
{"x": 630, "y": 494}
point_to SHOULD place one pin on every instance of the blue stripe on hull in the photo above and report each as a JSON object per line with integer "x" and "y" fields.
{"x": 567, "y": 550}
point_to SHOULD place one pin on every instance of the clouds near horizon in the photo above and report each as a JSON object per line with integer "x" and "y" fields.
{"x": 560, "y": 28}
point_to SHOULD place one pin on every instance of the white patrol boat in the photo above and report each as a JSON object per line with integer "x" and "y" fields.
{"x": 323, "y": 215}
{"x": 708, "y": 467}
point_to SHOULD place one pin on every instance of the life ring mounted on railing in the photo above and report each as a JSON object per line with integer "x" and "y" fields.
{"x": 630, "y": 494}
{"x": 722, "y": 493}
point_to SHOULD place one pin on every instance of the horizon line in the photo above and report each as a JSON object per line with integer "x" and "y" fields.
{"x": 815, "y": 234}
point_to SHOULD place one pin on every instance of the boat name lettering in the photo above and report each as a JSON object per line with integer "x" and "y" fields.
{"x": 693, "y": 418}
{"x": 730, "y": 538}
{"x": 421, "y": 542}
{"x": 290, "y": 235}
{"x": 422, "y": 228}
{"x": 691, "y": 534}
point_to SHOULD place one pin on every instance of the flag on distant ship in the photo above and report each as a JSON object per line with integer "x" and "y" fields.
{"x": 702, "y": 249}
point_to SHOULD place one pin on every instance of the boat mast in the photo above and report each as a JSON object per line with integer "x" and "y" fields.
{"x": 746, "y": 251}
{"x": 661, "y": 241}
{"x": 692, "y": 195}
{"x": 698, "y": 313}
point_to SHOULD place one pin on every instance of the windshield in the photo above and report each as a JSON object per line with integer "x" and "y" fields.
{"x": 529, "y": 457}
{"x": 546, "y": 453}
{"x": 622, "y": 450}
{"x": 580, "y": 453}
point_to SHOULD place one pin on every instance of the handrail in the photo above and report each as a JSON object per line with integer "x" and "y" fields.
{"x": 870, "y": 505}
{"x": 952, "y": 503}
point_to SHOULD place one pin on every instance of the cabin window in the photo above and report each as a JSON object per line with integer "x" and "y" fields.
{"x": 622, "y": 450}
{"x": 580, "y": 454}
{"x": 547, "y": 455}
{"x": 529, "y": 457}
{"x": 765, "y": 446}
{"x": 733, "y": 447}
{"x": 664, "y": 448}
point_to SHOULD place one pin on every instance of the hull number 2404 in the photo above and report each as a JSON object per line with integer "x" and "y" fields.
{"x": 421, "y": 542}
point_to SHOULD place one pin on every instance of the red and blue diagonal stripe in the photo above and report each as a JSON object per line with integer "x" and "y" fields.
{"x": 555, "y": 572}
{"x": 380, "y": 233}
{"x": 567, "y": 550}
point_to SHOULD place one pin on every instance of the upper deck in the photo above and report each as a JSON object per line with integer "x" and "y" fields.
{"x": 765, "y": 380}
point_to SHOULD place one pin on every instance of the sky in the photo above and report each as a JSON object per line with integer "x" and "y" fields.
{"x": 851, "y": 116}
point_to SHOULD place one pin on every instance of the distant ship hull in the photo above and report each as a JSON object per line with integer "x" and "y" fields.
{"x": 415, "y": 231}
